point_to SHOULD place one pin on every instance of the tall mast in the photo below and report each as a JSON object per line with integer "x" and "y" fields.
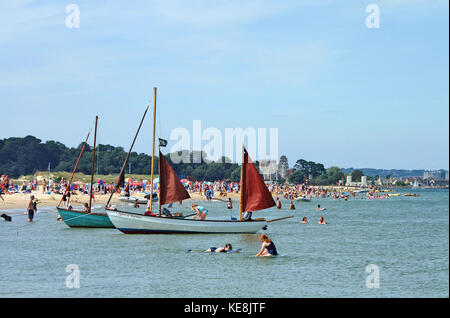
{"x": 93, "y": 165}
{"x": 122, "y": 171}
{"x": 75, "y": 168}
{"x": 149, "y": 208}
{"x": 241, "y": 187}
{"x": 159, "y": 165}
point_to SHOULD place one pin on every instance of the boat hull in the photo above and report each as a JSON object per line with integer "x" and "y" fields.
{"x": 130, "y": 223}
{"x": 80, "y": 219}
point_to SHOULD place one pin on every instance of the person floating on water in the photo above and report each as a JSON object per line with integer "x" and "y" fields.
{"x": 291, "y": 206}
{"x": 278, "y": 203}
{"x": 319, "y": 208}
{"x": 322, "y": 221}
{"x": 229, "y": 204}
{"x": 201, "y": 212}
{"x": 268, "y": 247}
{"x": 304, "y": 220}
{"x": 223, "y": 249}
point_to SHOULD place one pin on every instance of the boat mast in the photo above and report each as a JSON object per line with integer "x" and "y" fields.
{"x": 149, "y": 208}
{"x": 75, "y": 168}
{"x": 122, "y": 171}
{"x": 241, "y": 187}
{"x": 93, "y": 165}
{"x": 159, "y": 167}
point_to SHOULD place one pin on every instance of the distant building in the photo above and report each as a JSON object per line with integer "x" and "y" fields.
{"x": 436, "y": 174}
{"x": 351, "y": 183}
{"x": 364, "y": 181}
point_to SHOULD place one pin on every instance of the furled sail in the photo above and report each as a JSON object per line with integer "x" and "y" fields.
{"x": 171, "y": 188}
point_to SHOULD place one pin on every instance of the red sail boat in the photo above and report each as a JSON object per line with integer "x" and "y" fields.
{"x": 254, "y": 196}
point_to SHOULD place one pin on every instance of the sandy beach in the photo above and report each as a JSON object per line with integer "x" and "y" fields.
{"x": 20, "y": 200}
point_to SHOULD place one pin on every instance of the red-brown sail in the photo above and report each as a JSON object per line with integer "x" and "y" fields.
{"x": 255, "y": 195}
{"x": 171, "y": 188}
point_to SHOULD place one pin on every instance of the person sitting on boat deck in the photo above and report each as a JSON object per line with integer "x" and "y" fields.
{"x": 224, "y": 249}
{"x": 201, "y": 212}
{"x": 229, "y": 204}
{"x": 304, "y": 220}
{"x": 247, "y": 216}
{"x": 319, "y": 208}
{"x": 86, "y": 207}
{"x": 136, "y": 203}
{"x": 291, "y": 206}
{"x": 149, "y": 213}
{"x": 268, "y": 247}
{"x": 322, "y": 221}
{"x": 166, "y": 212}
{"x": 278, "y": 203}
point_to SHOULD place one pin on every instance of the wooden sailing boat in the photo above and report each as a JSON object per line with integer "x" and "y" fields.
{"x": 80, "y": 218}
{"x": 254, "y": 196}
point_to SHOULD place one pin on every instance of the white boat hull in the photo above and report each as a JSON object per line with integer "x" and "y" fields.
{"x": 131, "y": 223}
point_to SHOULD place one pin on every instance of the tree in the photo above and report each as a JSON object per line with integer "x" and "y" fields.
{"x": 356, "y": 175}
{"x": 296, "y": 177}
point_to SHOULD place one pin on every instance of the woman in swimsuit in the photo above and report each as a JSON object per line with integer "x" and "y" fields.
{"x": 201, "y": 212}
{"x": 267, "y": 247}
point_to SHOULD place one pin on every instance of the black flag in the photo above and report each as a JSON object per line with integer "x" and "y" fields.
{"x": 162, "y": 142}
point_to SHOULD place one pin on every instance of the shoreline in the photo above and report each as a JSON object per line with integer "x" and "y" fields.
{"x": 20, "y": 200}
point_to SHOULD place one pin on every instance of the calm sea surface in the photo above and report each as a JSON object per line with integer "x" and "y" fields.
{"x": 406, "y": 237}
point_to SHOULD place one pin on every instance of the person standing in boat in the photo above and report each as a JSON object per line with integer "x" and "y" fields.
{"x": 201, "y": 212}
{"x": 268, "y": 247}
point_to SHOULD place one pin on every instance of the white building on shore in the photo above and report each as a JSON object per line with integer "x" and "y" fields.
{"x": 362, "y": 183}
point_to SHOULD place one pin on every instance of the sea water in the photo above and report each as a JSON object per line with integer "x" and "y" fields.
{"x": 396, "y": 247}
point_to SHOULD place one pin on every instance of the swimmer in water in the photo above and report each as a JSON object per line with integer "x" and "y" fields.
{"x": 322, "y": 221}
{"x": 319, "y": 208}
{"x": 229, "y": 204}
{"x": 267, "y": 247}
{"x": 278, "y": 203}
{"x": 304, "y": 220}
{"x": 223, "y": 249}
{"x": 291, "y": 206}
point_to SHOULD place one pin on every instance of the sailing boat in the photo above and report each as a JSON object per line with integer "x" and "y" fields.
{"x": 80, "y": 218}
{"x": 254, "y": 196}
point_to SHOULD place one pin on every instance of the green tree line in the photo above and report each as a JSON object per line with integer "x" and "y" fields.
{"x": 25, "y": 156}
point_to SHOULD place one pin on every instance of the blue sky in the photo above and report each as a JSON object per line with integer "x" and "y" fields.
{"x": 338, "y": 92}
